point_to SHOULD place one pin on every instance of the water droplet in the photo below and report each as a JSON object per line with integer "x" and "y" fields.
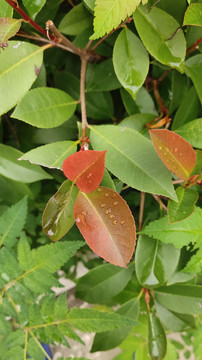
{"x": 84, "y": 212}
{"x": 102, "y": 205}
{"x": 114, "y": 222}
{"x": 106, "y": 194}
{"x": 160, "y": 147}
{"x": 108, "y": 211}
{"x": 176, "y": 149}
{"x": 99, "y": 189}
{"x": 122, "y": 222}
{"x": 114, "y": 195}
{"x": 78, "y": 220}
{"x": 115, "y": 203}
{"x": 89, "y": 175}
{"x": 180, "y": 154}
{"x": 111, "y": 216}
{"x": 81, "y": 219}
{"x": 90, "y": 181}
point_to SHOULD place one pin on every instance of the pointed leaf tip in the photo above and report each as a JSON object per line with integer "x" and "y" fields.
{"x": 175, "y": 152}
{"x": 86, "y": 169}
{"x": 106, "y": 223}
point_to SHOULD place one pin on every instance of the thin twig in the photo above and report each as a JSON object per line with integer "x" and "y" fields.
{"x": 194, "y": 47}
{"x": 178, "y": 182}
{"x": 162, "y": 108}
{"x": 142, "y": 202}
{"x": 39, "y": 345}
{"x": 162, "y": 205}
{"x": 13, "y": 129}
{"x": 71, "y": 3}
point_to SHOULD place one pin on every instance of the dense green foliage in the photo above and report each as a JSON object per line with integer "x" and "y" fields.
{"x": 144, "y": 71}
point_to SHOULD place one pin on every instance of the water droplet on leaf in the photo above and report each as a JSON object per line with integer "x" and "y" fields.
{"x": 115, "y": 203}
{"x": 102, "y": 205}
{"x": 114, "y": 222}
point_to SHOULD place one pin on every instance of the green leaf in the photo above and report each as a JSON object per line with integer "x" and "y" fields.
{"x": 193, "y": 68}
{"x": 179, "y": 91}
{"x": 156, "y": 29}
{"x": 24, "y": 252}
{"x": 33, "y": 7}
{"x": 157, "y": 338}
{"x": 185, "y": 206}
{"x": 188, "y": 110}
{"x": 192, "y": 132}
{"x": 111, "y": 339}
{"x": 47, "y": 308}
{"x": 69, "y": 332}
{"x": 60, "y": 309}
{"x": 198, "y": 165}
{"x": 103, "y": 78}
{"x": 193, "y": 15}
{"x": 45, "y": 107}
{"x": 179, "y": 234}
{"x": 107, "y": 181}
{"x": 19, "y": 58}
{"x": 90, "y": 4}
{"x": 109, "y": 14}
{"x": 90, "y": 320}
{"x": 173, "y": 320}
{"x": 58, "y": 215}
{"x": 5, "y": 9}
{"x": 155, "y": 261}
{"x": 131, "y": 61}
{"x": 139, "y": 166}
{"x": 194, "y": 265}
{"x": 102, "y": 283}
{"x": 51, "y": 155}
{"x": 75, "y": 21}
{"x": 12, "y": 222}
{"x": 142, "y": 104}
{"x": 181, "y": 298}
{"x": 13, "y": 169}
{"x": 137, "y": 121}
{"x": 34, "y": 350}
{"x": 8, "y": 28}
{"x": 12, "y": 191}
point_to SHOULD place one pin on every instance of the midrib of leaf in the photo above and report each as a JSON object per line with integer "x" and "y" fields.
{"x": 98, "y": 215}
{"x": 9, "y": 227}
{"x": 50, "y": 107}
{"x": 66, "y": 152}
{"x": 174, "y": 158}
{"x": 128, "y": 158}
{"x": 25, "y": 59}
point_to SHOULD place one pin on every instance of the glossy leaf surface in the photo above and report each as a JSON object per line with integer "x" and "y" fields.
{"x": 17, "y": 59}
{"x": 176, "y": 153}
{"x": 107, "y": 225}
{"x": 51, "y": 155}
{"x": 179, "y": 234}
{"x": 111, "y": 339}
{"x": 193, "y": 15}
{"x": 193, "y": 69}
{"x": 139, "y": 166}
{"x": 181, "y": 298}
{"x": 8, "y": 28}
{"x": 75, "y": 20}
{"x": 102, "y": 283}
{"x": 192, "y": 132}
{"x": 86, "y": 169}
{"x": 33, "y": 7}
{"x": 157, "y": 338}
{"x": 5, "y": 9}
{"x": 155, "y": 262}
{"x": 156, "y": 28}
{"x": 12, "y": 168}
{"x": 58, "y": 215}
{"x": 178, "y": 211}
{"x": 131, "y": 61}
{"x": 104, "y": 78}
{"x": 45, "y": 107}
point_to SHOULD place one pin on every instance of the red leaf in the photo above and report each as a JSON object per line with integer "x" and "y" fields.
{"x": 106, "y": 223}
{"x": 86, "y": 169}
{"x": 175, "y": 152}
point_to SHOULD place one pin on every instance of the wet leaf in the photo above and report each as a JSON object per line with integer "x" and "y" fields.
{"x": 8, "y": 28}
{"x": 175, "y": 152}
{"x": 85, "y": 169}
{"x": 58, "y": 215}
{"x": 185, "y": 206}
{"x": 106, "y": 223}
{"x": 157, "y": 338}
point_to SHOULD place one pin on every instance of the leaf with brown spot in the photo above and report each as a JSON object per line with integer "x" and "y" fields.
{"x": 106, "y": 223}
{"x": 85, "y": 169}
{"x": 8, "y": 28}
{"x": 175, "y": 152}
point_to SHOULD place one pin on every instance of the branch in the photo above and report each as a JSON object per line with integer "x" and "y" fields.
{"x": 162, "y": 205}
{"x": 142, "y": 202}
{"x": 194, "y": 47}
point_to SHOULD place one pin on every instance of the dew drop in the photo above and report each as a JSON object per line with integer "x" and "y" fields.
{"x": 111, "y": 216}
{"x": 78, "y": 220}
{"x": 115, "y": 203}
{"x": 102, "y": 205}
{"x": 180, "y": 154}
{"x": 89, "y": 175}
{"x": 122, "y": 222}
{"x": 106, "y": 194}
{"x": 160, "y": 147}
{"x": 114, "y": 195}
{"x": 108, "y": 211}
{"x": 90, "y": 181}
{"x": 176, "y": 149}
{"x": 114, "y": 222}
{"x": 99, "y": 189}
{"x": 84, "y": 212}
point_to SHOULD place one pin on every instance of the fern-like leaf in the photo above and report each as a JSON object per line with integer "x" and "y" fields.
{"x": 110, "y": 13}
{"x": 24, "y": 252}
{"x": 12, "y": 222}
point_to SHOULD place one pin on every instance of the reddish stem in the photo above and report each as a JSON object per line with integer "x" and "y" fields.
{"x": 17, "y": 8}
{"x": 194, "y": 47}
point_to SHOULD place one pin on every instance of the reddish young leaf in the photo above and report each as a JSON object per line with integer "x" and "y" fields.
{"x": 175, "y": 152}
{"x": 106, "y": 223}
{"x": 86, "y": 169}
